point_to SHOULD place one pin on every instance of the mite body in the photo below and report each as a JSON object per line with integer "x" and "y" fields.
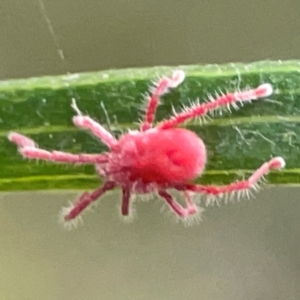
{"x": 155, "y": 158}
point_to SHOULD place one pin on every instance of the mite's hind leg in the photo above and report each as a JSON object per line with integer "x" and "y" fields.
{"x": 196, "y": 111}
{"x": 238, "y": 187}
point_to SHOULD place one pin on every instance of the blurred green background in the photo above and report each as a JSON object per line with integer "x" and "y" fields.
{"x": 249, "y": 250}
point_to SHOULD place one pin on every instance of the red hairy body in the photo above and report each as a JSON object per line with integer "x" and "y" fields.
{"x": 160, "y": 157}
{"x": 153, "y": 159}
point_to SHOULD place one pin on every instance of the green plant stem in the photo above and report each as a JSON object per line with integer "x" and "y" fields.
{"x": 237, "y": 142}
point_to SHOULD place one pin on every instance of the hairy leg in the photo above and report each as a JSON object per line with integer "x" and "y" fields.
{"x": 200, "y": 110}
{"x": 71, "y": 213}
{"x": 239, "y": 186}
{"x": 180, "y": 211}
{"x": 85, "y": 122}
{"x": 160, "y": 88}
{"x": 28, "y": 149}
{"x": 125, "y": 206}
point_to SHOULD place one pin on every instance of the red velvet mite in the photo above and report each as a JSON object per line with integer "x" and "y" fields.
{"x": 154, "y": 159}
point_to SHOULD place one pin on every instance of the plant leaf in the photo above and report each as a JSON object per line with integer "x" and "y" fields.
{"x": 237, "y": 142}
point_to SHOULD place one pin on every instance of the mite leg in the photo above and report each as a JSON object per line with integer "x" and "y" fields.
{"x": 239, "y": 186}
{"x": 85, "y": 122}
{"x": 160, "y": 88}
{"x": 125, "y": 206}
{"x": 261, "y": 91}
{"x": 72, "y": 212}
{"x": 28, "y": 149}
{"x": 180, "y": 211}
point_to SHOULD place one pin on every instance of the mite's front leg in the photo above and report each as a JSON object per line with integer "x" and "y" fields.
{"x": 28, "y": 149}
{"x": 85, "y": 122}
{"x": 70, "y": 214}
{"x": 125, "y": 206}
